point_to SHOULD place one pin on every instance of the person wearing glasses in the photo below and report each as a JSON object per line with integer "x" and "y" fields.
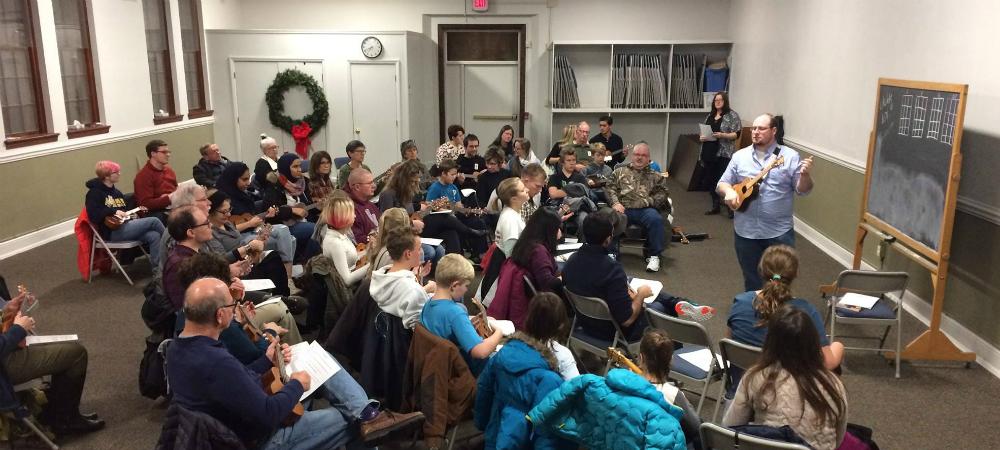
{"x": 156, "y": 181}
{"x": 192, "y": 230}
{"x": 210, "y": 166}
{"x": 408, "y": 150}
{"x": 356, "y": 151}
{"x": 104, "y": 199}
{"x": 320, "y": 169}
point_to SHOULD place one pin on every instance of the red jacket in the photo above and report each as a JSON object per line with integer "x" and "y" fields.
{"x": 84, "y": 239}
{"x": 151, "y": 184}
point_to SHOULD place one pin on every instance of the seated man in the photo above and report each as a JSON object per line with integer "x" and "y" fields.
{"x": 156, "y": 182}
{"x": 640, "y": 193}
{"x": 591, "y": 273}
{"x": 395, "y": 287}
{"x": 207, "y": 378}
{"x": 470, "y": 164}
{"x": 65, "y": 362}
{"x": 210, "y": 166}
{"x": 361, "y": 188}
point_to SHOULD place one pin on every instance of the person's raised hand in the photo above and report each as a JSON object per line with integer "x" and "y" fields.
{"x": 275, "y": 328}
{"x": 303, "y": 378}
{"x": 619, "y": 207}
{"x": 26, "y": 322}
{"x": 236, "y": 289}
{"x": 271, "y": 212}
{"x": 643, "y": 292}
{"x": 255, "y": 222}
{"x": 418, "y": 225}
{"x": 805, "y": 166}
{"x": 286, "y": 353}
{"x": 730, "y": 200}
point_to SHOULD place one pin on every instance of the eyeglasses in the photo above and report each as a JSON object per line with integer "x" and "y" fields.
{"x": 207, "y": 223}
{"x": 165, "y": 152}
{"x": 224, "y": 212}
{"x": 231, "y": 305}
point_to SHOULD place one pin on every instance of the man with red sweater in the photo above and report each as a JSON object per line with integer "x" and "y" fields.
{"x": 156, "y": 182}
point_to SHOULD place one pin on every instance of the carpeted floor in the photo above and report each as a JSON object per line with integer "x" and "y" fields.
{"x": 932, "y": 406}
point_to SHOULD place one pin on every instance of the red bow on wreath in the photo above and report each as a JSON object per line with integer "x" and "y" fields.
{"x": 300, "y": 133}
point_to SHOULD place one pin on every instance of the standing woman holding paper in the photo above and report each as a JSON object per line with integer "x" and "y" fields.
{"x": 717, "y": 149}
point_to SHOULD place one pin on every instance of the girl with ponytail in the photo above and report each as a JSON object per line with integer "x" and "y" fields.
{"x": 752, "y": 310}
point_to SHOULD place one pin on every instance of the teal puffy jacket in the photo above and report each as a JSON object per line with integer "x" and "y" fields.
{"x": 622, "y": 411}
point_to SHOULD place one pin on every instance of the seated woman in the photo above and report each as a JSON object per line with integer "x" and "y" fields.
{"x": 392, "y": 219}
{"x": 518, "y": 376}
{"x": 337, "y": 243}
{"x": 791, "y": 384}
{"x": 320, "y": 184}
{"x": 106, "y": 204}
{"x": 268, "y": 161}
{"x": 246, "y": 216}
{"x": 408, "y": 150}
{"x": 445, "y": 188}
{"x": 288, "y": 189}
{"x": 504, "y": 142}
{"x": 656, "y": 350}
{"x": 512, "y": 195}
{"x": 748, "y": 318}
{"x": 522, "y": 157}
{"x": 532, "y": 256}
{"x": 228, "y": 242}
{"x": 401, "y": 191}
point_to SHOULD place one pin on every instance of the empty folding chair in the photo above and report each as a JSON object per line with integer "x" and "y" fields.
{"x": 738, "y": 356}
{"x": 695, "y": 338}
{"x": 887, "y": 287}
{"x": 596, "y": 309}
{"x": 715, "y": 437}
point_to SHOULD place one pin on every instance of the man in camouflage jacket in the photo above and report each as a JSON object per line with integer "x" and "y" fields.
{"x": 639, "y": 193}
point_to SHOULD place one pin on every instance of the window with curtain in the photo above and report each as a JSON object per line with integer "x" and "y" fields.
{"x": 158, "y": 53}
{"x": 191, "y": 44}
{"x": 75, "y": 61}
{"x": 20, "y": 79}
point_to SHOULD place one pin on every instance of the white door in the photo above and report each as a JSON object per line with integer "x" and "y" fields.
{"x": 375, "y": 113}
{"x": 251, "y": 80}
{"x": 482, "y": 98}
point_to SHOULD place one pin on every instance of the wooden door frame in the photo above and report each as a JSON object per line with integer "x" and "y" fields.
{"x": 444, "y": 29}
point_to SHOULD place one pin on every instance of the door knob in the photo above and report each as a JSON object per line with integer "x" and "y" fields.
{"x": 357, "y": 131}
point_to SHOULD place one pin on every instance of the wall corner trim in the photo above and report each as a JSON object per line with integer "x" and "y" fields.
{"x": 36, "y": 238}
{"x": 987, "y": 355}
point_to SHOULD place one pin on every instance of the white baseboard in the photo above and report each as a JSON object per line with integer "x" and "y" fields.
{"x": 37, "y": 238}
{"x": 987, "y": 355}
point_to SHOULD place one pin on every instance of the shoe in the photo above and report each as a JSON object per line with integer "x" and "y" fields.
{"x": 477, "y": 233}
{"x": 296, "y": 305}
{"x": 691, "y": 311}
{"x": 715, "y": 210}
{"x": 77, "y": 424}
{"x": 653, "y": 264}
{"x": 386, "y": 423}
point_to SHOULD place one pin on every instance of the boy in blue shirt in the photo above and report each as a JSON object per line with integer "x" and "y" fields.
{"x": 446, "y": 317}
{"x": 473, "y": 239}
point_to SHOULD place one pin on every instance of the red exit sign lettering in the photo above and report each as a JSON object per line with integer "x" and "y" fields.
{"x": 480, "y": 5}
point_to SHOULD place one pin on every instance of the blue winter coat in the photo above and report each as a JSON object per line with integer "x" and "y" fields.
{"x": 513, "y": 381}
{"x": 622, "y": 411}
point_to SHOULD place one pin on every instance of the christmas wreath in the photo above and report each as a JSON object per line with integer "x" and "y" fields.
{"x": 275, "y": 99}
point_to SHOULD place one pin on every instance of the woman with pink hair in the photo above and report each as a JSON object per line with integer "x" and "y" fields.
{"x": 104, "y": 200}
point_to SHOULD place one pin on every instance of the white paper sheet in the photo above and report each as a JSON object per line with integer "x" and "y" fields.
{"x": 701, "y": 359}
{"x": 506, "y": 327}
{"x": 431, "y": 241}
{"x": 656, "y": 286}
{"x": 571, "y": 240}
{"x": 467, "y": 192}
{"x": 314, "y": 360}
{"x": 568, "y": 246}
{"x": 859, "y": 300}
{"x": 268, "y": 302}
{"x": 706, "y": 132}
{"x": 32, "y": 339}
{"x": 443, "y": 211}
{"x": 258, "y": 285}
{"x": 564, "y": 257}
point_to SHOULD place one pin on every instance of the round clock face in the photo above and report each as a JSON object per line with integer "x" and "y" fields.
{"x": 371, "y": 47}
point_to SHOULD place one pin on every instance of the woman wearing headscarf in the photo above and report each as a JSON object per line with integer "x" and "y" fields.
{"x": 286, "y": 191}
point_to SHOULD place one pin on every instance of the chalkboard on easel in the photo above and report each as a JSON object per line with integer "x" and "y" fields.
{"x": 914, "y": 161}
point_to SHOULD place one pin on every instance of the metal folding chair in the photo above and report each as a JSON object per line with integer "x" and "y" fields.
{"x": 888, "y": 287}
{"x": 530, "y": 285}
{"x": 29, "y": 421}
{"x": 111, "y": 247}
{"x": 695, "y": 338}
{"x": 734, "y": 355}
{"x": 596, "y": 309}
{"x": 715, "y": 437}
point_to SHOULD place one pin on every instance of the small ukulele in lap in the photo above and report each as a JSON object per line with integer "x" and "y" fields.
{"x": 747, "y": 190}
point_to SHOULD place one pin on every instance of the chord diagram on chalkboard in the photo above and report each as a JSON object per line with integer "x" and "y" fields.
{"x": 934, "y": 121}
{"x": 905, "y": 110}
{"x": 919, "y": 113}
{"x": 948, "y": 133}
{"x": 885, "y": 106}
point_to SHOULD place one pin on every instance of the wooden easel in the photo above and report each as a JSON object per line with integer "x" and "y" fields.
{"x": 931, "y": 344}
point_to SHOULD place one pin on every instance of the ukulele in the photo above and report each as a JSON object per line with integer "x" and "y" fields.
{"x": 275, "y": 378}
{"x": 23, "y": 303}
{"x": 263, "y": 234}
{"x": 442, "y": 205}
{"x": 484, "y": 329}
{"x": 747, "y": 189}
{"x": 113, "y": 221}
{"x": 619, "y": 358}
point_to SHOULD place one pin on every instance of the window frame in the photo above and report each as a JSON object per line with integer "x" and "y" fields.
{"x": 97, "y": 126}
{"x": 43, "y": 134}
{"x": 169, "y": 66}
{"x": 198, "y": 30}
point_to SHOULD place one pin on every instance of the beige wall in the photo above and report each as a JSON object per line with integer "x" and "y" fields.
{"x": 47, "y": 190}
{"x": 971, "y": 294}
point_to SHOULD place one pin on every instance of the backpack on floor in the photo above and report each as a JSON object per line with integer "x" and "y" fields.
{"x": 152, "y": 374}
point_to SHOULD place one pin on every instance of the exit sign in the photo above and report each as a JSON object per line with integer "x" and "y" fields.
{"x": 480, "y": 5}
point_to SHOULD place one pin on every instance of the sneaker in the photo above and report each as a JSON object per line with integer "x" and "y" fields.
{"x": 653, "y": 264}
{"x": 386, "y": 423}
{"x": 691, "y": 311}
